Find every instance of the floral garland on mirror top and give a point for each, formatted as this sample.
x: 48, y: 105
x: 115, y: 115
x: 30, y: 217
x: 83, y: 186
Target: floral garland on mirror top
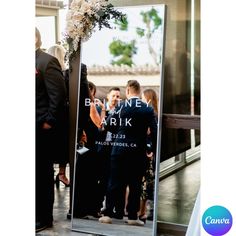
x: 82, y: 18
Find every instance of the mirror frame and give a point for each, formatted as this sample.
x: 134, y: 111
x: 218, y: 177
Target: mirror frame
x: 74, y: 114
x: 159, y: 129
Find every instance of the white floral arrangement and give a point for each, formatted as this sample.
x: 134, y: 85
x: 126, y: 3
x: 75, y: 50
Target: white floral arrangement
x: 82, y: 18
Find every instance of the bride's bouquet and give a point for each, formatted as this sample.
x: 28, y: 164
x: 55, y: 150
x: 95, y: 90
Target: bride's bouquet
x: 82, y: 18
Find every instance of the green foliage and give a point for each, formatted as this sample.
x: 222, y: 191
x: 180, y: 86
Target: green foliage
x: 122, y: 23
x: 109, y: 13
x: 123, y: 51
x: 152, y: 21
x: 140, y: 31
x: 124, y: 60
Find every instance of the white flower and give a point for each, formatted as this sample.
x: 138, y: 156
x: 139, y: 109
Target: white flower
x: 81, y: 20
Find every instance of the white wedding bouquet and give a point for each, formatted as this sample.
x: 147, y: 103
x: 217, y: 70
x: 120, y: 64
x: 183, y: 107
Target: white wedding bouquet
x: 82, y: 18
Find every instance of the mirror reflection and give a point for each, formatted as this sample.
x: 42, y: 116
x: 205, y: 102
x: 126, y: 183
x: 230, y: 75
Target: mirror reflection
x: 115, y: 163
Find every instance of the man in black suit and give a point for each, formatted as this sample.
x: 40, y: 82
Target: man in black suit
x: 50, y: 113
x: 128, y: 124
x: 113, y: 97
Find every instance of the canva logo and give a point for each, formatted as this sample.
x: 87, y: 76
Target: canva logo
x: 217, y: 220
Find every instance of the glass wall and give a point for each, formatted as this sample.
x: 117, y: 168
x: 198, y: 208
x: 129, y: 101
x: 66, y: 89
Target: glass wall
x: 182, y: 82
x: 182, y: 78
x: 179, y: 147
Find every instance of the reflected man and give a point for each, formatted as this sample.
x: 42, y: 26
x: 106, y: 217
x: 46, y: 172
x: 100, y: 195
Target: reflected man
x: 129, y: 124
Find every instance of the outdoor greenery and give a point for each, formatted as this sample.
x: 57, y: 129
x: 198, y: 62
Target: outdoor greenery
x: 123, y: 52
x: 152, y: 22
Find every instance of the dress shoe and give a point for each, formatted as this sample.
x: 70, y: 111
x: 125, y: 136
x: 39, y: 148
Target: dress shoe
x: 105, y: 220
x: 68, y: 216
x: 135, y: 222
x: 143, y: 218
x: 42, y: 225
x: 95, y: 214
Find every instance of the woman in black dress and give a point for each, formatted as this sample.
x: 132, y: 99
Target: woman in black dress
x: 63, y: 152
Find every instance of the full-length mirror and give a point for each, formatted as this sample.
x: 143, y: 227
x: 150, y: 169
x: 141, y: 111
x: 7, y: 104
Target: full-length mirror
x: 116, y: 165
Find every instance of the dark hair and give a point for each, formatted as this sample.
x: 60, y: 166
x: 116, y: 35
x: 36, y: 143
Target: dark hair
x: 134, y: 86
x: 114, y: 89
x: 92, y: 86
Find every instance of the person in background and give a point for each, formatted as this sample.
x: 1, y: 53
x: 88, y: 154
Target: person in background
x: 149, y: 96
x: 97, y: 108
x: 59, y: 52
x: 87, y: 163
x: 104, y: 151
x: 50, y: 114
x: 113, y: 97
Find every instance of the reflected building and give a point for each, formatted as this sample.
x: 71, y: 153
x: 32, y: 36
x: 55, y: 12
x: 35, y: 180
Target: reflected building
x: 108, y: 76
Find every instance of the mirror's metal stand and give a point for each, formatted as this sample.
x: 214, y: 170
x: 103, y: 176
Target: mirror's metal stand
x: 159, y: 130
x: 74, y: 88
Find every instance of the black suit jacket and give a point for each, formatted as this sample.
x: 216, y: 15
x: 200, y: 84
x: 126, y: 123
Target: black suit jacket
x: 129, y: 124
x: 50, y: 89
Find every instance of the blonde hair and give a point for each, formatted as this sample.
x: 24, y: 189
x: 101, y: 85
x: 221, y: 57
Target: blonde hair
x: 59, y: 52
x: 38, y: 37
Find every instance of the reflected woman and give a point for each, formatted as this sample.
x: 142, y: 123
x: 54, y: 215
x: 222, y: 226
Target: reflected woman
x: 150, y: 97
